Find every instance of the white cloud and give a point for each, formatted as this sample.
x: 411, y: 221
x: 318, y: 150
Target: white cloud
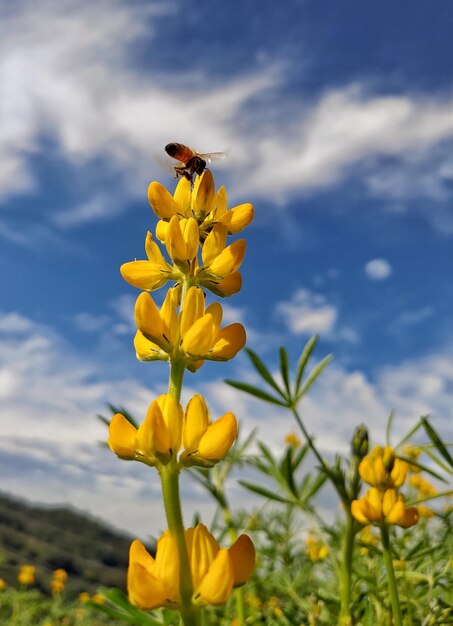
x: 307, y: 313
x: 49, y: 445
x: 68, y: 73
x: 378, y: 269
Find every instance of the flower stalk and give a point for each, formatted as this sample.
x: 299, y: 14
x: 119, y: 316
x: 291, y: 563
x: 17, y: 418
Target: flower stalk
x: 393, y: 590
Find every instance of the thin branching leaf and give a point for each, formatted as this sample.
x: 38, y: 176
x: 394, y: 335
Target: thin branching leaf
x: 263, y: 371
x: 313, y: 376
x: 409, y: 434
x: 263, y: 492
x: 300, y: 456
x: 255, y: 391
x: 438, y: 461
x: 306, y: 353
x: 424, y: 468
x: 287, y: 471
x: 437, y: 441
x: 284, y: 370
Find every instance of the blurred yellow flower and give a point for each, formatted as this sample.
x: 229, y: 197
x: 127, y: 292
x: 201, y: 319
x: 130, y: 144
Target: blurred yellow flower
x: 423, y: 486
x: 27, y: 574
x: 99, y: 598
x: 381, y: 468
x: 84, y: 597
x: 2, y: 584
x: 425, y: 511
x: 215, y: 571
x: 316, y: 550
x: 291, y: 439
x: 377, y: 506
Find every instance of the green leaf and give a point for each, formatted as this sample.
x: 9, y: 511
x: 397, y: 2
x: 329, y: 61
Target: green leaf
x: 263, y: 371
x: 255, y: 391
x: 287, y: 471
x: 284, y: 369
x: 436, y: 459
x: 300, y: 455
x: 313, y: 376
x: 437, y: 441
x: 306, y: 353
x: 316, y: 484
x: 261, y: 491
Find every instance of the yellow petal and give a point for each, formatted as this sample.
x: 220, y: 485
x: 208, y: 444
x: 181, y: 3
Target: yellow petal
x: 122, y: 437
x: 221, y: 203
x: 153, y: 435
x: 396, y: 515
x: 173, y: 418
x: 217, y: 585
x: 410, y: 517
x: 228, y: 286
x: 162, y: 231
x: 144, y: 589
x: 229, y: 260
x: 167, y: 564
x: 170, y: 317
x: 183, y: 196
x: 161, y: 201
x: 148, y: 319
x: 199, y: 338
x: 366, y: 470
x: 215, y: 309
x: 147, y: 350
x: 218, y: 438
x: 214, y: 244
x: 399, y: 472
x: 144, y: 275
x: 191, y: 234
x: 238, y: 218
x: 174, y: 241
x: 356, y: 510
x: 373, y: 504
x: 193, y: 309
x: 389, y: 500
x: 203, y: 195
x: 242, y: 554
x: 153, y: 252
x: 196, y: 422
x: 202, y: 549
x: 228, y: 342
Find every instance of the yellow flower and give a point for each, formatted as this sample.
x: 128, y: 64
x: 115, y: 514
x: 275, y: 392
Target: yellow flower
x: 425, y: 511
x: 316, y: 550
x: 192, y: 336
x: 151, y: 274
x: 423, y: 486
x: 2, y: 584
x: 154, y: 582
x: 165, y: 428
x: 292, y: 440
x: 205, y: 443
x: 377, y: 506
x: 158, y: 437
x: 366, y: 535
x: 381, y: 468
x: 26, y: 575
x: 413, y: 453
x: 61, y: 575
x: 99, y: 598
x: 84, y: 597
x: 56, y: 586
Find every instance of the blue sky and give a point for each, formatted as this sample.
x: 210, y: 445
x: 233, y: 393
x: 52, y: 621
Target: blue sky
x: 337, y: 119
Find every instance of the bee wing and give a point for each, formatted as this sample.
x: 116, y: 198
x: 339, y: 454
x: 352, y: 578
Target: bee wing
x: 212, y: 156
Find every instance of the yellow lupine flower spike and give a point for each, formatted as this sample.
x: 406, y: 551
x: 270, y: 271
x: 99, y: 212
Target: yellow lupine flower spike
x: 153, y: 583
x: 377, y: 506
x: 151, y: 274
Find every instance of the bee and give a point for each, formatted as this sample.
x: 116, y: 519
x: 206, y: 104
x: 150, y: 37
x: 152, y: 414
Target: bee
x: 191, y: 162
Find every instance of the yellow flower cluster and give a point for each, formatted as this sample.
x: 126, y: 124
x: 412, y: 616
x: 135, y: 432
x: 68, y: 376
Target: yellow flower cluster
x: 27, y: 575
x: 2, y: 584
x: 424, y: 487
x: 166, y: 427
x: 154, y: 582
x: 382, y: 503
x: 58, y: 581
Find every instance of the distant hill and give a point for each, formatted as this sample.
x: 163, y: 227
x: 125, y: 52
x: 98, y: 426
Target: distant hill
x: 57, y: 537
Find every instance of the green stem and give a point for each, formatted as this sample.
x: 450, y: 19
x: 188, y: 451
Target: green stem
x: 393, y: 591
x: 177, y: 370
x: 346, y: 570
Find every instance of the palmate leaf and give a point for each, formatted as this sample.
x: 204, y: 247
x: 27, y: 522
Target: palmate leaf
x: 255, y: 391
x: 437, y: 441
x: 263, y: 371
